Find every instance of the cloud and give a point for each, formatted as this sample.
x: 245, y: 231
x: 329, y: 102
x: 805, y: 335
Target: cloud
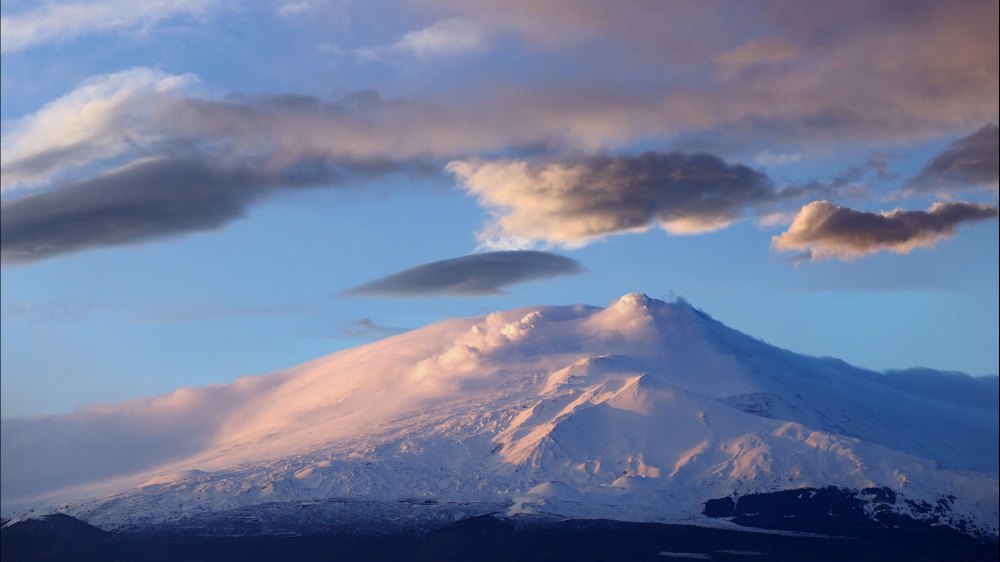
x: 767, y: 158
x: 642, y: 71
x: 847, y: 183
x: 477, y: 274
x: 295, y: 8
x: 366, y: 328
x: 63, y: 21
x: 138, y: 115
x: 959, y: 388
x: 649, y: 79
x: 764, y: 50
x: 443, y: 38
x: 777, y: 69
x: 828, y: 231
x: 60, y: 310
x: 147, y: 200
x: 646, y: 76
x: 573, y: 203
x: 107, y: 440
x: 969, y: 163
x: 100, y: 119
x: 188, y: 165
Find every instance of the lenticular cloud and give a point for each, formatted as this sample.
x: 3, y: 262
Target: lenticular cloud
x: 478, y: 274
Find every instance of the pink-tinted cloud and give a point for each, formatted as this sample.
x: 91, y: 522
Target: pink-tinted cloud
x: 645, y: 73
x: 771, y: 69
x: 572, y: 203
x: 827, y: 231
x: 107, y: 440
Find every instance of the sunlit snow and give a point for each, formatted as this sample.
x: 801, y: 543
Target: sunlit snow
x: 639, y: 411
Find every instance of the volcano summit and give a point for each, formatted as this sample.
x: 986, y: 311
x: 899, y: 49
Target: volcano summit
x: 643, y: 411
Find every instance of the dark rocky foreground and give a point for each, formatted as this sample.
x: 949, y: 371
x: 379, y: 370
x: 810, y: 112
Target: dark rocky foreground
x: 60, y: 537
x: 837, y: 511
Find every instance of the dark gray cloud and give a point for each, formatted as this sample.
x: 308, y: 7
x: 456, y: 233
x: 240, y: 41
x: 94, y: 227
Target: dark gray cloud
x: 972, y: 162
x: 848, y: 183
x: 148, y: 200
x: 828, y: 231
x: 151, y: 199
x: 478, y: 274
x: 571, y: 203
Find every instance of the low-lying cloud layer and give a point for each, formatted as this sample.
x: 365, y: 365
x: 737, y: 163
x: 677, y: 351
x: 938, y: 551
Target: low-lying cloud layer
x: 828, y: 231
x: 478, y: 274
x: 570, y: 204
x: 108, y: 440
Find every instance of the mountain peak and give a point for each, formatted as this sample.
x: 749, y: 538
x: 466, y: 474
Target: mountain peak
x: 624, y: 406
x: 638, y: 299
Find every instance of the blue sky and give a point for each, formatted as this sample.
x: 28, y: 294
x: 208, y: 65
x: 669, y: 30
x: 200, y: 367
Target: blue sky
x: 194, y: 190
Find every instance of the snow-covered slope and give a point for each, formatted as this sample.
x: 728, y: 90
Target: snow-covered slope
x: 643, y: 410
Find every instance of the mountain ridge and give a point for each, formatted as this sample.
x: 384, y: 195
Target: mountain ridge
x: 640, y: 411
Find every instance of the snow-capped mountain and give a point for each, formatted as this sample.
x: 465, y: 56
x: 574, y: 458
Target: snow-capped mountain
x: 641, y: 411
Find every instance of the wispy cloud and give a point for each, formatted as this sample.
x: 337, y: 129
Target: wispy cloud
x: 477, y: 274
x: 851, y: 183
x: 294, y: 8
x: 368, y: 329
x: 969, y: 163
x: 63, y: 21
x: 827, y: 231
x: 573, y: 203
x: 101, y: 119
x: 764, y: 50
x: 59, y: 310
x: 767, y: 158
x: 447, y: 37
